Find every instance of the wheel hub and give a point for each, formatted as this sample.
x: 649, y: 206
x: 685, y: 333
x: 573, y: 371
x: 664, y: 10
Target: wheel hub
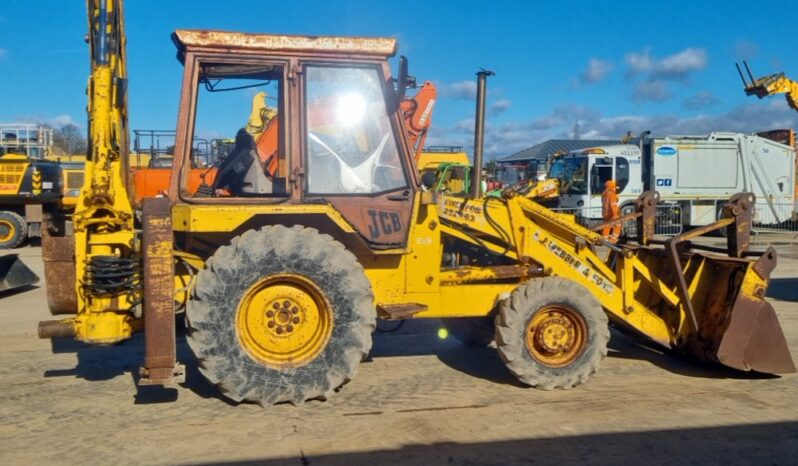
x: 556, y: 335
x: 6, y: 230
x: 282, y: 317
x: 284, y: 321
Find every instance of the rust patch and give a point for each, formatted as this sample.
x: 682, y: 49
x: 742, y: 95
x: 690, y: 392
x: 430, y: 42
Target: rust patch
x: 58, y: 255
x: 754, y: 339
x: 160, y: 363
x: 379, y: 46
x: 765, y: 264
x: 399, y: 311
x: 646, y: 206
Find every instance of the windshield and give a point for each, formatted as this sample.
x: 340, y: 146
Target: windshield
x: 510, y: 176
x: 351, y: 146
x: 572, y: 174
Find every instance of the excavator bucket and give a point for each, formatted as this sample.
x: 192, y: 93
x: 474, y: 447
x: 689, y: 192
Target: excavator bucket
x: 14, y: 273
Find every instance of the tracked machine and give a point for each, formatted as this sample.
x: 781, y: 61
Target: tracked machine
x: 280, y: 276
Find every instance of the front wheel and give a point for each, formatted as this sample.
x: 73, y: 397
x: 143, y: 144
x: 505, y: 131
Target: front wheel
x: 552, y: 333
x: 280, y: 315
x: 13, y: 230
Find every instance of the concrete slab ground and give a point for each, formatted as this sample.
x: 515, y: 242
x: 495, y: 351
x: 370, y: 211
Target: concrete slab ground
x: 418, y: 400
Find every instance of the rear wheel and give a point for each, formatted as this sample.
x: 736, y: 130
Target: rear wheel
x: 552, y: 333
x: 13, y: 230
x: 280, y: 315
x: 471, y: 331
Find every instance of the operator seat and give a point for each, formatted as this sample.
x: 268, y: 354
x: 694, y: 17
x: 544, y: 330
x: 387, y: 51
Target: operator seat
x: 242, y: 173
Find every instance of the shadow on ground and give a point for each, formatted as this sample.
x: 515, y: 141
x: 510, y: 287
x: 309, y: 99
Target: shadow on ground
x: 108, y: 362
x: 773, y: 443
x: 415, y: 337
x: 783, y: 289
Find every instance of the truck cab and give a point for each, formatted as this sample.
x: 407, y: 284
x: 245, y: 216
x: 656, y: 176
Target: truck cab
x: 582, y: 174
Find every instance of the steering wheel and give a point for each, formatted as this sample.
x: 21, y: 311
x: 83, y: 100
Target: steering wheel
x: 353, y: 178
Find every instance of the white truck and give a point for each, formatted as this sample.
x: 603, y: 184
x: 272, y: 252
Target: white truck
x: 693, y: 174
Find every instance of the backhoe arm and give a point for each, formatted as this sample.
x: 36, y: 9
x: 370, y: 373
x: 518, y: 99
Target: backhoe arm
x: 107, y: 263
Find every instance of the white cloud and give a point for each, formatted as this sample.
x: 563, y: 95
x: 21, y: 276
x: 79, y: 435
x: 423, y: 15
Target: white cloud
x: 62, y: 120
x: 57, y: 121
x: 656, y: 72
x: 745, y: 50
x: 677, y: 66
x: 700, y: 101
x: 597, y: 70
x: 638, y: 62
x: 465, y: 90
x: 680, y: 65
x: 500, y: 106
x: 654, y: 90
x: 508, y: 138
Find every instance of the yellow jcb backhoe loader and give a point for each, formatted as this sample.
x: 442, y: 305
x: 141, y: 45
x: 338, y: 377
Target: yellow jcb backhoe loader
x: 281, y: 278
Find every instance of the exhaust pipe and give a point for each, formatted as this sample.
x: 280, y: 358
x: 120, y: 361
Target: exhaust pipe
x: 479, y: 133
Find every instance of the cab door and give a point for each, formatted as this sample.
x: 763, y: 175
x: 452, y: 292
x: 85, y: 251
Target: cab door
x: 353, y: 156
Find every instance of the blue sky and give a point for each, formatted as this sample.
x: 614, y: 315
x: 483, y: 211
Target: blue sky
x: 611, y: 66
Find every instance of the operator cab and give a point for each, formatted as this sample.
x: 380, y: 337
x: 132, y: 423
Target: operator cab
x: 313, y: 120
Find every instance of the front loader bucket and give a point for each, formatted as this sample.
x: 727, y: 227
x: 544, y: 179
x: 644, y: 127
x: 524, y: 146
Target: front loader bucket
x: 14, y: 273
x: 754, y: 339
x: 738, y: 326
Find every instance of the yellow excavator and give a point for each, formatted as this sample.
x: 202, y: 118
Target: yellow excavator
x: 280, y: 276
x: 770, y: 85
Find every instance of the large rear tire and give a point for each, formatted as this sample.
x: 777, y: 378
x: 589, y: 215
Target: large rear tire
x: 13, y: 230
x: 552, y: 333
x: 280, y: 315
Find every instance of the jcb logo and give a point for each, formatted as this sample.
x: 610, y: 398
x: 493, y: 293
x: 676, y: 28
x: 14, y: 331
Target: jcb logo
x: 383, y: 222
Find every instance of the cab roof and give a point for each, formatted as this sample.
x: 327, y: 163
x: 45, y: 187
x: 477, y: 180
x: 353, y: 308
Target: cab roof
x: 186, y: 39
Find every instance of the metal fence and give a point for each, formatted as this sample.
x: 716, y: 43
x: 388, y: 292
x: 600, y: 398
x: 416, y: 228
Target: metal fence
x: 775, y: 217
x: 669, y: 219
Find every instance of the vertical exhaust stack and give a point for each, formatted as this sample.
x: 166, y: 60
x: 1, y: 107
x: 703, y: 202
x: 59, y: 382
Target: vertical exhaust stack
x: 479, y: 132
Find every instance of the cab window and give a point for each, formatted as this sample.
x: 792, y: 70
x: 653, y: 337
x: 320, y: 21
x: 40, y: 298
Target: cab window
x: 351, y: 147
x: 621, y: 173
x: 240, y: 112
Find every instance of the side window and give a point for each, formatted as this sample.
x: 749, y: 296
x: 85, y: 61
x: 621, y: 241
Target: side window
x: 621, y: 173
x: 350, y: 143
x: 239, y: 116
x: 600, y: 174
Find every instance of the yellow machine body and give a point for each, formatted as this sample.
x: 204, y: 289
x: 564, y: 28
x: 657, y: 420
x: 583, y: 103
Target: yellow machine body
x: 423, y: 253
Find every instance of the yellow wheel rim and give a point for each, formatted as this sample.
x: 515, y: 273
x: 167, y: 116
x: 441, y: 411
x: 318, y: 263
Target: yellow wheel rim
x: 284, y: 321
x: 556, y: 335
x: 6, y: 230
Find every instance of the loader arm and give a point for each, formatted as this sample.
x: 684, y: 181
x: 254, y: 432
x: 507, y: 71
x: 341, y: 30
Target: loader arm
x: 708, y: 305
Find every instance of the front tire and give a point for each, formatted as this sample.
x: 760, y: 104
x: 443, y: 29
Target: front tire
x: 552, y: 333
x: 13, y: 230
x: 280, y: 315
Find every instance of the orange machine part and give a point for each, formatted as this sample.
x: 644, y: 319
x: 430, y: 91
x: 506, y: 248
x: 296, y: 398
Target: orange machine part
x: 151, y: 182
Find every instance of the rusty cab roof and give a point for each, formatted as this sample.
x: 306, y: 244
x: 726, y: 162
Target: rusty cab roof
x: 216, y: 41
